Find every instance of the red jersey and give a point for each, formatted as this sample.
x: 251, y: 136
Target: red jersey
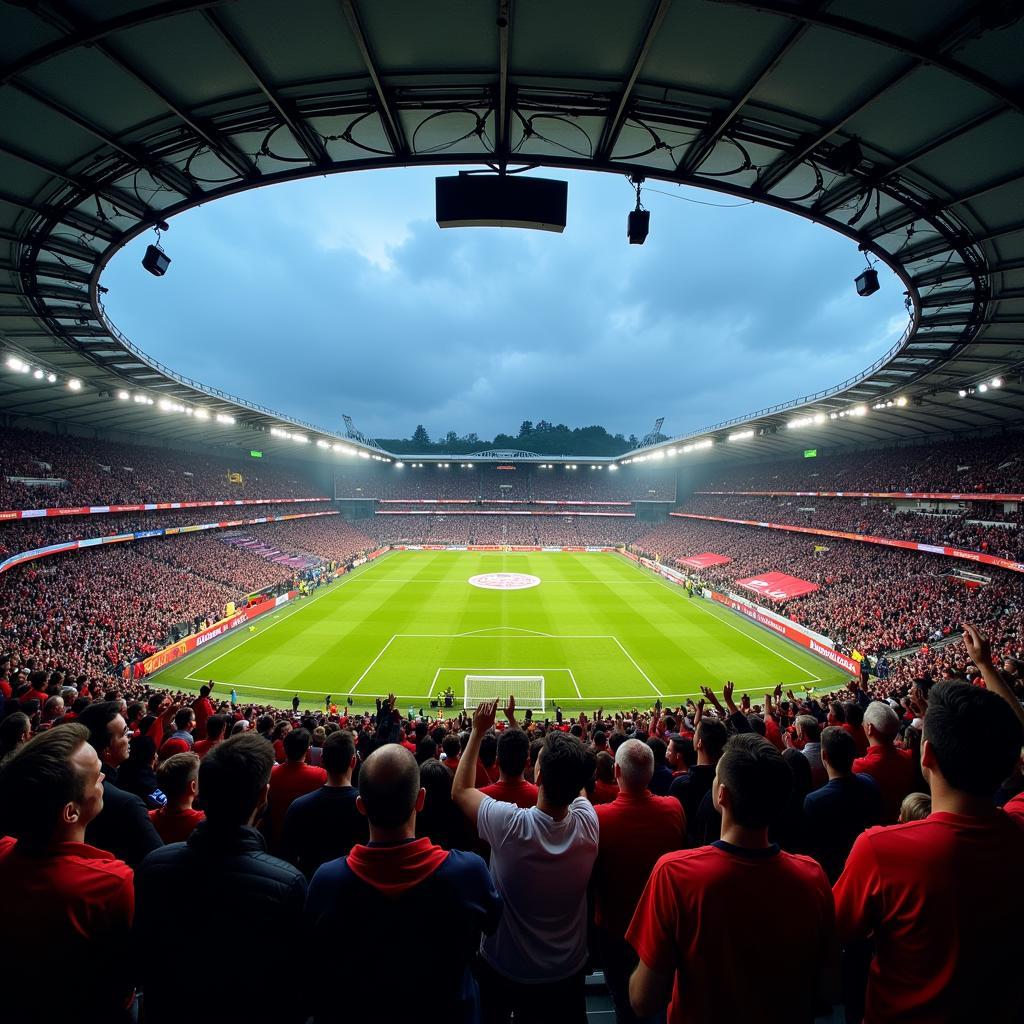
x: 604, y: 792
x: 893, y: 769
x: 942, y: 915
x: 289, y: 781
x: 635, y: 830
x: 204, y: 711
x: 689, y: 923
x: 1015, y: 807
x: 78, y: 900
x: 521, y: 793
x: 202, y: 747
x: 175, y: 826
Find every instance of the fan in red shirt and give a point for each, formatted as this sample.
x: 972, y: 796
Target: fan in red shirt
x: 706, y: 911
x: 289, y: 781
x: 178, y: 777
x: 60, y: 893
x: 605, y: 787
x: 635, y: 830
x: 203, y: 707
x: 893, y: 769
x: 215, y: 728
x: 512, y: 758
x: 934, y: 893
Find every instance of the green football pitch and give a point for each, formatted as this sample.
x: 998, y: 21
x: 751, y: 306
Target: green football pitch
x: 600, y: 629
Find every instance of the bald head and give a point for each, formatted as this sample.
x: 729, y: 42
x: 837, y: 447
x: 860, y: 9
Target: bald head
x: 389, y: 786
x: 635, y: 761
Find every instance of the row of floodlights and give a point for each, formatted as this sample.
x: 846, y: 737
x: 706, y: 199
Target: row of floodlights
x: 669, y: 452
x: 17, y: 365
x: 167, y: 405
x: 321, y: 442
x: 995, y: 382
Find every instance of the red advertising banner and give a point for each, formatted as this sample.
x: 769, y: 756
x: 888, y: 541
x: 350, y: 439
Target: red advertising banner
x: 154, y: 506
x: 777, y: 586
x: 703, y: 561
x: 493, y: 512
x: 791, y: 631
x: 908, y: 545
x: 928, y: 495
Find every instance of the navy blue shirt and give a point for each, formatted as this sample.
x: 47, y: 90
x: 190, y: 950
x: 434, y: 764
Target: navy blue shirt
x: 835, y: 815
x: 321, y: 826
x: 380, y: 938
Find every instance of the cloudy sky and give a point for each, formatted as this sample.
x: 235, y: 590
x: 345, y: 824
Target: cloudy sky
x: 341, y: 295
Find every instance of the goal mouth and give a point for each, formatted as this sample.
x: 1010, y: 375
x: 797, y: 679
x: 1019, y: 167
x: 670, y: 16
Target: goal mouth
x: 527, y: 690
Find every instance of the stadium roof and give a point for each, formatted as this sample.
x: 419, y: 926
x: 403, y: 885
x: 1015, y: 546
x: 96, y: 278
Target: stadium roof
x: 899, y: 125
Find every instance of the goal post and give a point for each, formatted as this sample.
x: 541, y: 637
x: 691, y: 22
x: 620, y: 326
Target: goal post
x: 527, y: 690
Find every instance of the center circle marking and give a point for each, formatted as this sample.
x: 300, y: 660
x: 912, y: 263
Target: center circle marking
x: 504, y: 581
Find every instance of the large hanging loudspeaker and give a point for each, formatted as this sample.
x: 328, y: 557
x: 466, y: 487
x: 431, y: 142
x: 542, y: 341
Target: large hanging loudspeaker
x: 501, y: 201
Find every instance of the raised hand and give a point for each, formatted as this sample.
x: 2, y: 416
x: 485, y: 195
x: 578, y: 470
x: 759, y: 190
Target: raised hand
x: 483, y: 717
x: 510, y: 709
x: 978, y: 647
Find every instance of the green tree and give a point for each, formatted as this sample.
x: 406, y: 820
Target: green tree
x: 525, y: 428
x: 420, y: 435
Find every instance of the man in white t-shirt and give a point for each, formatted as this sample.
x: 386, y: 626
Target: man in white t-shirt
x: 541, y: 862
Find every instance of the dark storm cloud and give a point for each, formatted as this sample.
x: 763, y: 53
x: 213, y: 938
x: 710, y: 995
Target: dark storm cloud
x: 342, y: 295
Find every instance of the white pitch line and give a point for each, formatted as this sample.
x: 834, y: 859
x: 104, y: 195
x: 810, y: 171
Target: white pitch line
x: 703, y: 605
x: 637, y: 667
x: 372, y: 663
x: 514, y: 629
x: 433, y: 682
x: 278, y: 619
x: 574, y: 686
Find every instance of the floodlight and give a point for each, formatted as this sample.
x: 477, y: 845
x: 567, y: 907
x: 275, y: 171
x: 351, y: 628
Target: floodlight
x: 51, y: 378
x: 38, y: 374
x: 156, y: 261
x: 867, y: 282
x: 983, y: 388
x: 123, y: 395
x: 997, y: 382
x: 228, y: 420
x: 75, y: 384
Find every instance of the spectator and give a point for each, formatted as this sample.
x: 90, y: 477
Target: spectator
x: 512, y: 758
x: 541, y: 859
x: 605, y: 787
x: 931, y: 892
x: 915, y: 807
x: 661, y: 780
x: 184, y: 727
x: 62, y: 898
x: 708, y: 741
x: 259, y: 899
x: 122, y: 825
x: 324, y: 824
x: 892, y: 768
x: 290, y: 780
x: 316, y: 747
x: 179, y: 779
x: 393, y: 880
x: 440, y: 819
x: 635, y: 830
x: 15, y: 730
x: 684, y: 929
x: 138, y: 774
x: 215, y: 726
x: 844, y: 807
x: 203, y: 709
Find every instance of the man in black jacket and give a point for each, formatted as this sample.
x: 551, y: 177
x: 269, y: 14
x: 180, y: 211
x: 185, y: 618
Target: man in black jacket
x: 255, y: 901
x: 123, y: 827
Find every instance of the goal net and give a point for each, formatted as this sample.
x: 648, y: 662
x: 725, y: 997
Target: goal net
x: 527, y: 690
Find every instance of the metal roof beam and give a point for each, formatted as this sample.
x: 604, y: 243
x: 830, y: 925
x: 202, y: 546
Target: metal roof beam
x: 167, y: 174
x: 388, y: 115
x: 73, y: 218
x: 846, y: 190
x: 311, y: 143
x: 112, y: 194
x: 502, y: 128
x: 613, y: 125
x: 703, y: 145
x: 935, y: 246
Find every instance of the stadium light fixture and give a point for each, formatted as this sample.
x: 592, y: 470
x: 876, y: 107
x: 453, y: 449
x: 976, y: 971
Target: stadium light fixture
x: 901, y: 401
x: 37, y: 373
x: 962, y: 392
x: 225, y: 419
x: 983, y: 388
x: 123, y: 396
x: 613, y: 467
x: 155, y: 260
x: 638, y: 224
x: 51, y: 378
x: 469, y: 465
x: 996, y: 382
x: 297, y: 438
x: 399, y: 464
x: 75, y: 384
x: 17, y: 365
x: 321, y: 443
x: 202, y: 414
x: 741, y: 435
x: 867, y: 282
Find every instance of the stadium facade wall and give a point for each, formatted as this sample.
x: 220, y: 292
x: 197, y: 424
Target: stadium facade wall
x: 153, y: 506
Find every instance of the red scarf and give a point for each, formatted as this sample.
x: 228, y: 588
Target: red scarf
x: 393, y: 869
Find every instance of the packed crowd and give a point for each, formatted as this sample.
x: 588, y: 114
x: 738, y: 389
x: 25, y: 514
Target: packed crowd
x: 526, y: 482
x: 25, y: 534
x: 972, y: 529
x: 637, y: 843
x: 552, y: 530
x: 97, y: 610
x: 94, y: 472
x: 989, y: 465
x: 871, y: 599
